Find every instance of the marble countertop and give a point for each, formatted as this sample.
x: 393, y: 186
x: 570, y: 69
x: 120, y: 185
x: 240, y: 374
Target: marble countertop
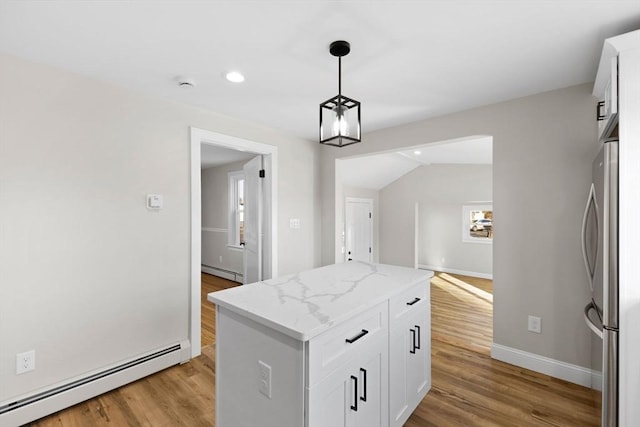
x: 308, y: 303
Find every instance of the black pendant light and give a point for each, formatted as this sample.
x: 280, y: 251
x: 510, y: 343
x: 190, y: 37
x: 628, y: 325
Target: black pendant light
x: 340, y: 115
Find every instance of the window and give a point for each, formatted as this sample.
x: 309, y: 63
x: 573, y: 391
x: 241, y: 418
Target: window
x: 477, y: 223
x: 236, y: 209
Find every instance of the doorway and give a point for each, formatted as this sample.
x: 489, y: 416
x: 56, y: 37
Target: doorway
x: 200, y: 137
x: 235, y: 207
x: 359, y: 229
x: 419, y: 194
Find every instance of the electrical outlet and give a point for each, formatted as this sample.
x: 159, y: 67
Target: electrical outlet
x: 25, y: 362
x: 264, y: 379
x: 535, y: 324
x: 220, y: 258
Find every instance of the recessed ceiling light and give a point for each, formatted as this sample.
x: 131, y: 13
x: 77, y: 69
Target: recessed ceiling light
x: 234, y: 77
x: 417, y: 152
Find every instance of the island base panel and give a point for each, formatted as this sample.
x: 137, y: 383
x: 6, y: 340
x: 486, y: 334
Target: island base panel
x: 240, y: 345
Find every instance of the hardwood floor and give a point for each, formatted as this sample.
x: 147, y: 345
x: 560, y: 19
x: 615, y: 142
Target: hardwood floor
x: 462, y: 312
x: 210, y: 284
x: 468, y: 388
x: 471, y: 389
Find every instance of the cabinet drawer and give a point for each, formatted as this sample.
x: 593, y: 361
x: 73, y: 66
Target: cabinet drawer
x: 410, y: 301
x: 329, y: 350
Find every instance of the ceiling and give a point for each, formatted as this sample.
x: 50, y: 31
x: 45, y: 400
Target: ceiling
x: 410, y: 60
x: 378, y: 170
x: 215, y: 155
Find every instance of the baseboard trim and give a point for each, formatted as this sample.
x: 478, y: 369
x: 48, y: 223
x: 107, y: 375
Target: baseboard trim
x: 596, y: 380
x: 225, y: 274
x: 215, y: 230
x: 544, y: 365
x: 455, y: 271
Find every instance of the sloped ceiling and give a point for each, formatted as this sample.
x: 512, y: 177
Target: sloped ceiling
x: 376, y: 171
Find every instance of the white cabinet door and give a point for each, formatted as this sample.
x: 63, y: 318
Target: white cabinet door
x: 330, y: 401
x: 355, y: 394
x: 372, y: 395
x: 400, y: 343
x: 418, y: 356
x: 409, y: 353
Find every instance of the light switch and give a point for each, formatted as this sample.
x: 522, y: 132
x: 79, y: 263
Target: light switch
x: 294, y: 222
x: 154, y: 201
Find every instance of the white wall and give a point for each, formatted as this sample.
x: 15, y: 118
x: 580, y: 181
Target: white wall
x: 215, y: 219
x: 91, y: 276
x: 441, y: 191
x: 542, y: 151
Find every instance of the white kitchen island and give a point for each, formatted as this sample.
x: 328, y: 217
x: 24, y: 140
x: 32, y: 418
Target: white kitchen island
x: 342, y: 345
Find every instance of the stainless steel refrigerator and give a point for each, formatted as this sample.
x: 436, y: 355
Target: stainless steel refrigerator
x: 600, y: 252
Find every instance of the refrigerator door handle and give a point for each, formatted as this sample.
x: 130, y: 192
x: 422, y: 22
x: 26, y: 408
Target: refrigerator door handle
x: 591, y: 200
x: 610, y: 236
x: 594, y: 328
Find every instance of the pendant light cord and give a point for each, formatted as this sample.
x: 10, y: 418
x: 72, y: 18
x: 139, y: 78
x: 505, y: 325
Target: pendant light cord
x: 339, y: 83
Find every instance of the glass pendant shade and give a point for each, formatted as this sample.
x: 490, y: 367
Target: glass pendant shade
x: 340, y: 121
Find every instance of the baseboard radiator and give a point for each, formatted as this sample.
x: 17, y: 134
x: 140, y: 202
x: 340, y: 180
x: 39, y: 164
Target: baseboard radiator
x: 220, y: 272
x: 33, y: 407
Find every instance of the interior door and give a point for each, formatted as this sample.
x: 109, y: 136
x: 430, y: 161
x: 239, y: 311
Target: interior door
x: 253, y: 220
x: 267, y: 219
x: 359, y: 230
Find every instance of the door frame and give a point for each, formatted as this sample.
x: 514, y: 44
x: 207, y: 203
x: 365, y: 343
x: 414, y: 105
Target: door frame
x: 199, y: 137
x: 371, y: 207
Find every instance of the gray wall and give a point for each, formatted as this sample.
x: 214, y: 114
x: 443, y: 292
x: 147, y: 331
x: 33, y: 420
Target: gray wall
x: 87, y: 272
x: 542, y: 151
x: 215, y: 219
x: 440, y: 191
